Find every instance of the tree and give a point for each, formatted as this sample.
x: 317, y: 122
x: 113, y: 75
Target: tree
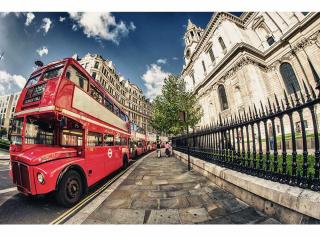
x: 173, y: 99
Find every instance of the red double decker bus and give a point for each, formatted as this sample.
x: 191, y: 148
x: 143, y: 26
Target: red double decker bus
x: 67, y: 133
x: 138, y: 141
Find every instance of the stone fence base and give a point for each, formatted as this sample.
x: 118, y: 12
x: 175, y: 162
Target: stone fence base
x: 291, y: 205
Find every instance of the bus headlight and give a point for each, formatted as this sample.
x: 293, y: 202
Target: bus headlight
x: 40, y: 178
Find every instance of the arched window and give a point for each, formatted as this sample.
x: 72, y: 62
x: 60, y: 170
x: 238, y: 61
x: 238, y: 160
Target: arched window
x: 222, y: 44
x: 223, y: 97
x: 289, y: 77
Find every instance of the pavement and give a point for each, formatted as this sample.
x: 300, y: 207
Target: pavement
x: 4, y: 154
x: 163, y: 191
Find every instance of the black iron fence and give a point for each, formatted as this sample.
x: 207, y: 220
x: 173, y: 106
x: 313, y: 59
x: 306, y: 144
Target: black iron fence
x: 249, y: 143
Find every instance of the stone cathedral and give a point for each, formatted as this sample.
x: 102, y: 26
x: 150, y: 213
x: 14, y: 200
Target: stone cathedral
x: 236, y: 62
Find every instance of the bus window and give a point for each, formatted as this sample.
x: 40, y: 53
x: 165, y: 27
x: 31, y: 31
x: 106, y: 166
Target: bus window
x: 123, y: 141
x: 16, y: 131
x: 116, y: 110
x: 117, y: 141
x: 108, y: 139
x: 33, y: 80
x: 122, y: 116
x: 95, y: 94
x: 77, y: 78
x: 38, y: 131
x: 53, y: 72
x: 94, y: 139
x: 71, y: 137
x: 108, y: 103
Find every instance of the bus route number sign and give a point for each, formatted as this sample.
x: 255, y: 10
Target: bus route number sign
x: 109, y: 153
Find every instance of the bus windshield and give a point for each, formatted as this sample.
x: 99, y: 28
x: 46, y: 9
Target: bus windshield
x: 33, y: 80
x: 39, y: 131
x: 52, y: 73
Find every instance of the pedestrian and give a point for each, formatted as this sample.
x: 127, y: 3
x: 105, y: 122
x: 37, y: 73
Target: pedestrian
x: 167, y: 147
x: 271, y: 139
x: 158, y: 149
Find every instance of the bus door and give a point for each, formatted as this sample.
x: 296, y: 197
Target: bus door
x: 95, y: 156
x: 110, y: 153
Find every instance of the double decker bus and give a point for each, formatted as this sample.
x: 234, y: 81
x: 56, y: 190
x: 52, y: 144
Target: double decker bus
x: 138, y: 141
x: 67, y: 133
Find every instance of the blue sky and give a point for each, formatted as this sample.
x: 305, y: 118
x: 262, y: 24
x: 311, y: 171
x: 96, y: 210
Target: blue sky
x: 133, y: 41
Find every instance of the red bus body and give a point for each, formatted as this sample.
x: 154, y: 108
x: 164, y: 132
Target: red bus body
x: 138, y: 143
x: 65, y: 120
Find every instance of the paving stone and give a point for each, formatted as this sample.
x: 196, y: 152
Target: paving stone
x: 156, y: 194
x: 195, y: 201
x: 269, y: 221
x: 168, y: 216
x: 233, y: 205
x: 124, y: 216
x: 246, y: 216
x: 177, y: 193
x: 159, y: 182
x: 92, y: 220
x: 193, y: 215
x: 117, y: 203
x: 145, y: 204
x: 174, y: 203
x: 171, y: 187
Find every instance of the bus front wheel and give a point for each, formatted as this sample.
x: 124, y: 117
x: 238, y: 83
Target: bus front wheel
x: 70, y: 189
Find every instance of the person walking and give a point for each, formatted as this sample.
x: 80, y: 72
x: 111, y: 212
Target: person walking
x: 168, y: 148
x: 158, y: 149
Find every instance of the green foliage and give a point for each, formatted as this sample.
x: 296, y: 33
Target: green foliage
x: 168, y: 105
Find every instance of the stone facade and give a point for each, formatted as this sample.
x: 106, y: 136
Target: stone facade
x: 237, y: 62
x: 7, y: 107
x: 127, y: 95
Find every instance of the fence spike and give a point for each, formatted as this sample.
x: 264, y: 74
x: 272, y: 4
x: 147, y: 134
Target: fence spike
x: 295, y: 94
x: 277, y: 103
x: 302, y: 97
x: 262, y: 109
x: 255, y: 110
x: 292, y: 102
x: 306, y: 91
x: 282, y: 104
x: 266, y: 110
x: 286, y: 99
x: 250, y: 113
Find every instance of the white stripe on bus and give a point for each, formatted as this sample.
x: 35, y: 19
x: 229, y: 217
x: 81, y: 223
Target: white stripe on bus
x: 47, y: 108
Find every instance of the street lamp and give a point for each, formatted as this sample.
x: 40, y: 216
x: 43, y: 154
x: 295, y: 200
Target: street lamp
x: 184, y: 118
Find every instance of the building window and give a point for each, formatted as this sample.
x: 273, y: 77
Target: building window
x: 96, y: 65
x: 211, y: 55
x: 204, y: 67
x: 188, y: 53
x: 223, y: 46
x: 191, y: 33
x: 304, y: 13
x: 192, y: 77
x: 289, y: 78
x: 270, y: 40
x: 222, y: 97
x: 94, y: 75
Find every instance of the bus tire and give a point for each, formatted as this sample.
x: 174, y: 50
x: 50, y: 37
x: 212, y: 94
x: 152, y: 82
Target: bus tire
x: 70, y: 189
x: 125, y: 163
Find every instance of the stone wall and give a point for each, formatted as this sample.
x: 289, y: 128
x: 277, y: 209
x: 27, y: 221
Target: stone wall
x: 291, y: 205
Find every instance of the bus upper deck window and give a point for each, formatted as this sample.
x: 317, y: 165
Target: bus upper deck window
x: 32, y: 81
x: 77, y: 78
x: 53, y: 72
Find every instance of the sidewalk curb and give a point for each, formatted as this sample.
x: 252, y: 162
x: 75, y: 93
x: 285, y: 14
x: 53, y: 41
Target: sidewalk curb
x: 85, y: 212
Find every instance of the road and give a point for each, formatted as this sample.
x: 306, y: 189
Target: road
x: 16, y: 208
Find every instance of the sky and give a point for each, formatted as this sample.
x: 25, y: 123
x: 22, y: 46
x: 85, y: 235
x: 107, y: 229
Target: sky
x: 145, y: 47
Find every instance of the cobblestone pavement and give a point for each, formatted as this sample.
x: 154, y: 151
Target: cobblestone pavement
x: 162, y: 191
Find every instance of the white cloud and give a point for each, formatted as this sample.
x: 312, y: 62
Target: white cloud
x: 61, y: 19
x: 10, y: 83
x: 43, y: 51
x: 102, y: 26
x: 175, y: 58
x: 153, y: 80
x: 29, y: 19
x: 46, y: 24
x: 162, y: 61
x: 4, y: 14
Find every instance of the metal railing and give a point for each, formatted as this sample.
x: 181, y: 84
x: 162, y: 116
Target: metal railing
x: 243, y: 142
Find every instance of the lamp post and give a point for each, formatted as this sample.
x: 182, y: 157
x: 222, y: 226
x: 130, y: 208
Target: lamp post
x: 184, y: 118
